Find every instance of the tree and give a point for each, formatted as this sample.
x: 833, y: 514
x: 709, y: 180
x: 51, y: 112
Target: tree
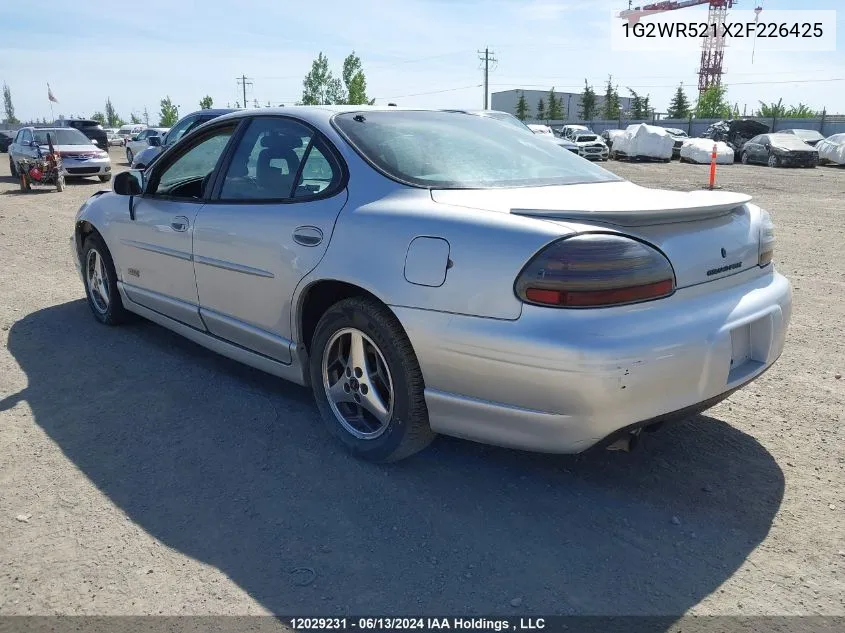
x: 112, y: 118
x: 679, y: 108
x: 320, y: 87
x: 639, y: 105
x: 588, y: 102
x: 206, y: 102
x: 134, y: 118
x: 712, y: 104
x: 772, y: 110
x: 169, y: 113
x: 553, y: 112
x: 612, y: 107
x: 522, y: 110
x: 99, y: 117
x: 354, y: 81
x: 801, y: 111
x: 9, y: 106
x: 541, y: 110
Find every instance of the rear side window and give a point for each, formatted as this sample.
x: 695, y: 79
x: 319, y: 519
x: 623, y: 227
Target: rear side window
x: 276, y: 160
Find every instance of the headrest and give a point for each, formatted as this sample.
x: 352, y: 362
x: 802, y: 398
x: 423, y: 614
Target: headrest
x: 281, y: 142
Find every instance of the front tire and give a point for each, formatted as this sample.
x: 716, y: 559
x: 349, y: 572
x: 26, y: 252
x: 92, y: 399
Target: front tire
x: 774, y: 161
x: 367, y: 381
x: 105, y: 178
x: 100, y: 280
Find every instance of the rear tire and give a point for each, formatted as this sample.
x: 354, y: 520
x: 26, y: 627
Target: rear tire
x: 744, y: 158
x: 129, y: 156
x: 105, y: 178
x: 100, y: 281
x: 12, y: 167
x: 390, y: 382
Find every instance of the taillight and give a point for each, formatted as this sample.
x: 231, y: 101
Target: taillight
x: 767, y: 239
x: 594, y: 270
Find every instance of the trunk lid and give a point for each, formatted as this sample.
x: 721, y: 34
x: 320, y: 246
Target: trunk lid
x: 707, y: 235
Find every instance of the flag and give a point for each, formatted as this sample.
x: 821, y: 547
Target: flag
x: 50, y: 95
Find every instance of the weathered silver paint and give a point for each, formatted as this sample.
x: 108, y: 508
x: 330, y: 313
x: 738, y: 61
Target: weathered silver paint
x: 495, y: 369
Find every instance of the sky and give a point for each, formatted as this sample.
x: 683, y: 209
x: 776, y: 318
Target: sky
x: 415, y: 53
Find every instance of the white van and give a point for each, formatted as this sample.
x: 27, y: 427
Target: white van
x: 128, y: 132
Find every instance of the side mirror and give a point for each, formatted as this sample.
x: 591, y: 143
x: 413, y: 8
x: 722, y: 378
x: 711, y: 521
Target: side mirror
x: 129, y: 183
x: 155, y: 141
x: 33, y: 143
x: 94, y: 141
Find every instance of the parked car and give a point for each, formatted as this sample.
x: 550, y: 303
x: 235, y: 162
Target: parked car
x: 832, y: 150
x: 6, y: 138
x: 538, y: 128
x: 183, y: 126
x: 141, y: 141
x: 511, y: 120
x: 570, y: 131
x: 90, y: 128
x: 735, y: 133
x: 130, y: 130
x: 430, y: 272
x: 590, y: 146
x: 114, y: 138
x: 779, y: 150
x: 608, y: 137
x: 679, y: 136
x: 80, y: 157
x: 810, y: 137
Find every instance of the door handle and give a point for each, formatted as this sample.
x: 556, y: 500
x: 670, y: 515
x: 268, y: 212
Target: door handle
x: 307, y: 235
x: 179, y: 223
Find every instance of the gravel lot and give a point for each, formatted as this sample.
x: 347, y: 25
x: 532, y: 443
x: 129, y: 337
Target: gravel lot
x: 141, y: 474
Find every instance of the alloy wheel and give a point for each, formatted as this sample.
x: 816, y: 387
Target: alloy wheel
x: 357, y: 384
x: 97, y: 280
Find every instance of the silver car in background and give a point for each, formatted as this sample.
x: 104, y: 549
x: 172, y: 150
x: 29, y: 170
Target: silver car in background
x: 434, y: 272
x: 80, y: 157
x: 141, y: 141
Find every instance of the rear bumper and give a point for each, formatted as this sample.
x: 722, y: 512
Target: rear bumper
x: 561, y: 381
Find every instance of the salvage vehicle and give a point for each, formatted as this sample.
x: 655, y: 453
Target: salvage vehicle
x: 608, y: 136
x: 431, y: 272
x: 735, y: 133
x: 590, y: 146
x: 679, y: 136
x: 79, y: 156
x: 832, y: 150
x: 141, y: 141
x: 570, y: 131
x: 184, y: 125
x: 779, y: 150
x: 810, y: 137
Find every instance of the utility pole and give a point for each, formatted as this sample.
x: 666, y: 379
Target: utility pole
x: 486, y: 56
x: 244, y: 81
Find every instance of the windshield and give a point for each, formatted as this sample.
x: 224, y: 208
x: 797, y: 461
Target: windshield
x: 458, y: 151
x: 808, y: 135
x: 583, y: 138
x: 788, y: 141
x: 62, y: 136
x: 504, y: 117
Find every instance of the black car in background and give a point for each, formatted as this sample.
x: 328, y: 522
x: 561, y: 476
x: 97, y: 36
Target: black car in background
x: 90, y: 128
x: 779, y: 150
x: 6, y: 138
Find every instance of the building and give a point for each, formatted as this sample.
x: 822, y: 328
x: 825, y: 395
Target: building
x: 570, y: 102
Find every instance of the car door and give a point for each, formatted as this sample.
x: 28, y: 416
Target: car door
x: 270, y: 221
x: 139, y: 142
x: 155, y: 258
x: 24, y: 147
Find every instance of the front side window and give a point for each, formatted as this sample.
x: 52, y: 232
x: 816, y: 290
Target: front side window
x: 278, y: 159
x: 178, y: 130
x: 185, y: 177
x: 457, y: 151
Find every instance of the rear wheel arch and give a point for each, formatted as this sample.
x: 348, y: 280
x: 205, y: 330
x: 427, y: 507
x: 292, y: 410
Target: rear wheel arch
x: 318, y: 297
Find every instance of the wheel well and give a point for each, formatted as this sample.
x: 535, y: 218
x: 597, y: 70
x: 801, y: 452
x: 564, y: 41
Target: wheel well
x: 320, y: 297
x: 83, y: 230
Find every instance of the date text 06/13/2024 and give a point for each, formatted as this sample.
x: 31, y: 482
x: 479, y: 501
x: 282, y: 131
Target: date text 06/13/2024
x: 418, y: 624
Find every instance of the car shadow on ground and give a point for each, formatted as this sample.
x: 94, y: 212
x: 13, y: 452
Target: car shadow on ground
x: 232, y: 467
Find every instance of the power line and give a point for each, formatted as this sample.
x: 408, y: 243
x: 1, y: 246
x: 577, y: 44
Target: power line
x: 432, y: 92
x: 244, y: 81
x: 732, y: 83
x: 487, y: 60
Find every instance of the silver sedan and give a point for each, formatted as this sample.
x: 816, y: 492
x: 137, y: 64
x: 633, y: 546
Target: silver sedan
x: 434, y: 272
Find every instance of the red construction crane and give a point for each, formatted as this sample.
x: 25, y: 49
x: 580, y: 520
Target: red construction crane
x: 713, y: 48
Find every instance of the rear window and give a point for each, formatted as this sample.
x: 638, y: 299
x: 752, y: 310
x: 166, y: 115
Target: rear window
x: 448, y: 150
